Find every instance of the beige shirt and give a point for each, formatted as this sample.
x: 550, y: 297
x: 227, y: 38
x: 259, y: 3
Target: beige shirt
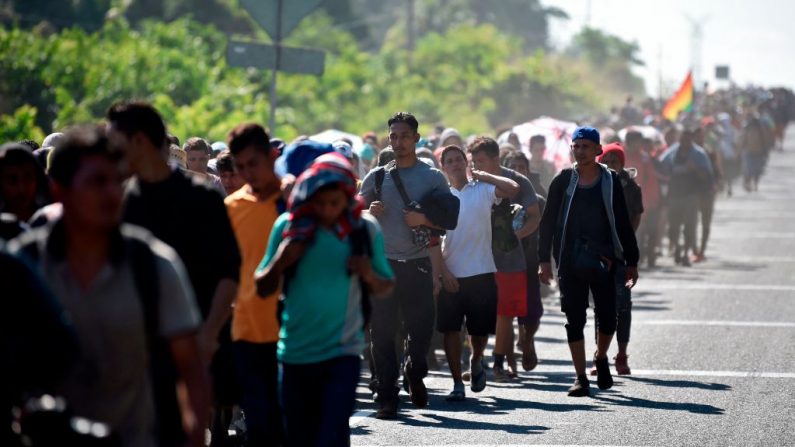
x: 111, y: 381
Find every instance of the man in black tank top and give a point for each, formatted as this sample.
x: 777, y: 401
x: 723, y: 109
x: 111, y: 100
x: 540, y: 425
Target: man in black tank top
x: 586, y: 225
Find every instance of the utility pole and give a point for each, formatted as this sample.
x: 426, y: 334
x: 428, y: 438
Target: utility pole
x: 696, y: 41
x: 277, y: 42
x: 410, y: 26
x: 278, y: 18
x: 587, y: 13
x: 659, y: 72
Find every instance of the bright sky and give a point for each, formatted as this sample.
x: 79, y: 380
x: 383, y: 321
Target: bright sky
x: 756, y: 38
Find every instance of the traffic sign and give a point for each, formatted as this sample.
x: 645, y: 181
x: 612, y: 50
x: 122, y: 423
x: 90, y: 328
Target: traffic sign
x: 266, y: 13
x: 278, y: 18
x: 721, y: 72
x: 292, y: 60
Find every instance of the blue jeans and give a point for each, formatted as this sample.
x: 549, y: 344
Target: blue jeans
x: 318, y: 399
x: 258, y: 373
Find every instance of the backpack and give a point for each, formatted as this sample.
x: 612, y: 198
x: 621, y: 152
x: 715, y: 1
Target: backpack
x: 503, y: 236
x: 162, y: 372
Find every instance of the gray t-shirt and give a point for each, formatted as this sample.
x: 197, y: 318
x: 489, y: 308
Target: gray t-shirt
x: 111, y: 382
x: 514, y: 261
x: 419, y: 181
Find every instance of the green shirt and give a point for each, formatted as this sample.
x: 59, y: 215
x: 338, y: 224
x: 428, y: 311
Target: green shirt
x: 322, y: 317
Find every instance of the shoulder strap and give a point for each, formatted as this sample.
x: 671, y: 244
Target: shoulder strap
x: 380, y: 172
x: 147, y: 282
x: 162, y: 371
x: 393, y: 172
x: 362, y: 245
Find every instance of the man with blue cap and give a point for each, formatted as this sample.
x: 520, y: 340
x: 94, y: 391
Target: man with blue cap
x: 586, y: 227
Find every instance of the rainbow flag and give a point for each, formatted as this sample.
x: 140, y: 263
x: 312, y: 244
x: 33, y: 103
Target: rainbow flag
x: 682, y: 101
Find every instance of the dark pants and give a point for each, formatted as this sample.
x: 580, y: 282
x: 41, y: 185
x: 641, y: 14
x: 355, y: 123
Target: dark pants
x: 682, y: 218
x: 623, y: 307
x: 411, y: 301
x: 574, y: 303
x: 318, y: 399
x: 647, y: 233
x: 706, y: 208
x: 258, y: 374
x: 535, y: 308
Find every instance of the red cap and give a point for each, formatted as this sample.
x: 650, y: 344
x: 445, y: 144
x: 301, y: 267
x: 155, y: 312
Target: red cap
x: 616, y: 148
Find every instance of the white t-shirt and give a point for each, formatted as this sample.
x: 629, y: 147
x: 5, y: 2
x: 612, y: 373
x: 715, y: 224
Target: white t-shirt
x: 467, y: 249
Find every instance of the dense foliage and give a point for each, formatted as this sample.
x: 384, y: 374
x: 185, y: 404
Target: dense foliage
x: 474, y: 77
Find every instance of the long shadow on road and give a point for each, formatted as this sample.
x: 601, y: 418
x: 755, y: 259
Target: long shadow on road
x: 458, y: 424
x: 497, y: 405
x: 636, y: 402
x: 681, y: 383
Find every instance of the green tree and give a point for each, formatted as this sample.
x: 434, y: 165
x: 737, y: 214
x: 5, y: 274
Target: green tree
x: 611, y: 59
x: 474, y: 77
x: 20, y: 125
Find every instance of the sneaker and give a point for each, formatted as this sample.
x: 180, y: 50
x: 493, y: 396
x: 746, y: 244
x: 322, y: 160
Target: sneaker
x: 417, y: 390
x: 622, y: 367
x: 603, y: 377
x: 581, y: 387
x: 458, y: 394
x: 500, y: 375
x: 388, y: 409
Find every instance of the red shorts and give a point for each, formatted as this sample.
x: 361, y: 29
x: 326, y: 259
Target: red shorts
x: 511, y: 294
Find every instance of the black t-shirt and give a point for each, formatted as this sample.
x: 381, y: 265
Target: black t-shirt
x: 188, y: 214
x: 588, y: 219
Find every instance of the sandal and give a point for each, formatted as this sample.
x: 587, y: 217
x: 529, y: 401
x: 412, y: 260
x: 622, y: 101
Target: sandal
x: 478, y: 383
x: 458, y: 394
x: 529, y: 360
x: 512, y: 371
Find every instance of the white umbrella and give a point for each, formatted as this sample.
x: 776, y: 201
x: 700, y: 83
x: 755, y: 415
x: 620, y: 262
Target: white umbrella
x: 649, y: 132
x: 557, y: 134
x: 332, y: 135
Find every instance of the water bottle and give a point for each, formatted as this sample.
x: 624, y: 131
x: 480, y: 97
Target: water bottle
x: 518, y: 220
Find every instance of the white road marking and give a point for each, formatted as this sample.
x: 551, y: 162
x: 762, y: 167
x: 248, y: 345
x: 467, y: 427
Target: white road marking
x: 754, y: 235
x: 741, y: 374
x: 652, y: 285
x: 761, y: 324
x: 749, y: 259
x: 491, y: 445
x: 640, y: 322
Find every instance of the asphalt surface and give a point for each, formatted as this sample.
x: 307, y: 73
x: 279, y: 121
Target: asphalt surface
x: 712, y: 353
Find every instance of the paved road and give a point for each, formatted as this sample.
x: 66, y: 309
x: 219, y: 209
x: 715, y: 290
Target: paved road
x: 712, y: 352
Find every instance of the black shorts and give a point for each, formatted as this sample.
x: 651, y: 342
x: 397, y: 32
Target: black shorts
x: 475, y: 302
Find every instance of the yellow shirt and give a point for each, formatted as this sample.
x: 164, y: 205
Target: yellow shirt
x: 254, y: 318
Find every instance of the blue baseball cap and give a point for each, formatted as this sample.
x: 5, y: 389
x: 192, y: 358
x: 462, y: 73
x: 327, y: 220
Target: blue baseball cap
x: 586, y: 133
